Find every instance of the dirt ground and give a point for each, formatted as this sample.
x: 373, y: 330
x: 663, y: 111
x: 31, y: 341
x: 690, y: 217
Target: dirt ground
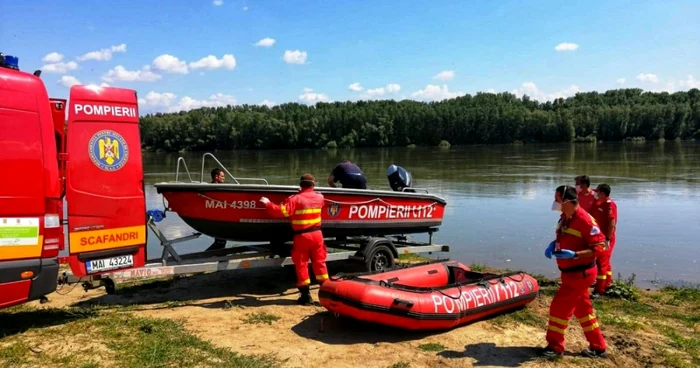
x: 223, y: 308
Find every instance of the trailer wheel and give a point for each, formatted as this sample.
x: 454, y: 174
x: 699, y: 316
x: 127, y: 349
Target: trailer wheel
x: 109, y: 285
x: 380, y: 259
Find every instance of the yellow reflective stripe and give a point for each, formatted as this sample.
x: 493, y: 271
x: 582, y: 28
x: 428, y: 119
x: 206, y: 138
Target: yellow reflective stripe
x: 586, y: 318
x: 305, y: 282
x: 610, y: 273
x: 307, y: 211
x: 602, y: 277
x: 322, y: 277
x: 306, y: 222
x: 591, y: 327
x: 573, y: 232
x: 284, y: 210
x: 557, y: 329
x: 559, y: 320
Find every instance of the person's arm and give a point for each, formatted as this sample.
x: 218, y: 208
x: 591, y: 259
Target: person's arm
x: 331, y: 181
x: 595, y: 239
x: 282, y: 210
x: 612, y: 214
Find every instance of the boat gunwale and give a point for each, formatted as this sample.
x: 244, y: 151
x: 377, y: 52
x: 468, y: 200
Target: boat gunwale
x: 227, y: 187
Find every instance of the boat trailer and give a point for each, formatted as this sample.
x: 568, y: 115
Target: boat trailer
x: 376, y: 252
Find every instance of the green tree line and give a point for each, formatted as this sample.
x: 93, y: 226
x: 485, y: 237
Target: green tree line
x: 480, y: 119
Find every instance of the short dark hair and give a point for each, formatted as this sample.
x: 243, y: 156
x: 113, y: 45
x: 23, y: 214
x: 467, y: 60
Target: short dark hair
x: 605, y: 189
x: 584, y: 179
x: 215, y: 173
x: 568, y: 193
x: 307, y: 181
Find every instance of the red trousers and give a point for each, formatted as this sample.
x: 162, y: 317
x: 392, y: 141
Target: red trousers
x: 604, y: 279
x: 572, y: 298
x: 309, y: 245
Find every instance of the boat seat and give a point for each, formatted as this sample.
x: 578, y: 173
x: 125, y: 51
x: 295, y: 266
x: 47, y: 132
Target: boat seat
x: 459, y: 275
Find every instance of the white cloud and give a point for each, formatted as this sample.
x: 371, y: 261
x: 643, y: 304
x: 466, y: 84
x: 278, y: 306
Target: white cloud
x: 620, y: 81
x: 294, y: 57
x: 531, y: 89
x: 311, y: 97
x: 96, y: 87
x: 170, y: 64
x: 445, y: 75
x: 355, y: 87
x: 265, y: 42
x: 491, y: 90
x: 104, y: 54
x: 166, y: 102
x: 690, y: 83
x: 268, y: 103
x: 218, y: 2
x: 53, y: 57
x: 119, y: 73
x: 433, y: 92
x: 68, y: 81
x: 648, y: 78
x: 211, y: 62
x: 60, y: 68
x: 381, y: 91
x: 566, y: 46
x: 680, y: 85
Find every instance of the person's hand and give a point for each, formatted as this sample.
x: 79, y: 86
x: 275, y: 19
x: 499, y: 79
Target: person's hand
x: 264, y: 200
x: 565, y: 254
x: 607, y: 244
x: 549, y: 250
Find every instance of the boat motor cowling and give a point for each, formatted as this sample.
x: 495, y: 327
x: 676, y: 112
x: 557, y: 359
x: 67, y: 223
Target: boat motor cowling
x: 399, y: 178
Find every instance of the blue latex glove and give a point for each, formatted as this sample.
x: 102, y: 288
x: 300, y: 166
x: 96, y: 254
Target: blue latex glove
x: 549, y: 250
x: 565, y: 254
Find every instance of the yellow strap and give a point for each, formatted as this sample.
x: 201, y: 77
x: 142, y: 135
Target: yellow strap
x: 590, y: 328
x: 559, y: 320
x: 557, y: 329
x: 307, y: 222
x: 307, y: 211
x: 573, y: 232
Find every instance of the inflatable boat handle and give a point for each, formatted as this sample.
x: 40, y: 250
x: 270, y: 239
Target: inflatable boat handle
x: 401, y: 304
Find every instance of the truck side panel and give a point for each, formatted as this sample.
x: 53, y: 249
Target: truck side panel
x: 105, y: 189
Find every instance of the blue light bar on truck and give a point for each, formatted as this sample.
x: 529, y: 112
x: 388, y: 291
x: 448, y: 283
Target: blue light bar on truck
x: 9, y: 61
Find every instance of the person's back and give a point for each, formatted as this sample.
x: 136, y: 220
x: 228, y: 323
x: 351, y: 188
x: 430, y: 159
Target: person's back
x: 349, y: 175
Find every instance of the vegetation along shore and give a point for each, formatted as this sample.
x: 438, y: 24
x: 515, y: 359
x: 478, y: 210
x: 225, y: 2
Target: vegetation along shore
x: 484, y: 118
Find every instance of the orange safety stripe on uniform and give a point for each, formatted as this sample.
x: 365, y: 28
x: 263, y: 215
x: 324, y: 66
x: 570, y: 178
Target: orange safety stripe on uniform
x: 586, y: 318
x: 307, y: 211
x: 591, y: 327
x: 322, y: 277
x: 573, y: 232
x: 557, y: 329
x: 284, y: 210
x: 307, y: 222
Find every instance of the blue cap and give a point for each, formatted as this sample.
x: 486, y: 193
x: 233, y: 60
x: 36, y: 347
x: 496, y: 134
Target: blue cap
x: 12, y: 62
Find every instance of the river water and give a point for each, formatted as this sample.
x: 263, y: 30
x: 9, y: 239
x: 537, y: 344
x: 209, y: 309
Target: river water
x: 499, y: 197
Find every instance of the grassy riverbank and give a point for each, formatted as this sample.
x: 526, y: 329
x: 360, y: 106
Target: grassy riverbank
x: 249, y: 319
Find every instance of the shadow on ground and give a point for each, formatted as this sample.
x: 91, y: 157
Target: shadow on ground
x: 248, y: 288
x: 488, y: 354
x: 16, y: 322
x: 326, y: 328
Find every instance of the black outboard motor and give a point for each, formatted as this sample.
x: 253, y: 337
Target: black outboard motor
x: 399, y: 179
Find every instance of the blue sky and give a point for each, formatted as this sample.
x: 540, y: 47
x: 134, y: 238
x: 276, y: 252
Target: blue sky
x: 185, y: 54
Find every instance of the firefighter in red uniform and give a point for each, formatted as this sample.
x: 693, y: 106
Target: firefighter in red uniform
x: 578, y: 242
x: 605, y: 213
x: 586, y: 197
x: 304, y: 211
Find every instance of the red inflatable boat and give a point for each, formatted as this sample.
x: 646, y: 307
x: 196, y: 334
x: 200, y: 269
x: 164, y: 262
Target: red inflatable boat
x: 433, y: 296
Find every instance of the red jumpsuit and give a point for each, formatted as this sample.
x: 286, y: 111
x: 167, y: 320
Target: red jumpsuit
x: 605, y: 212
x: 586, y: 200
x: 304, y: 211
x: 578, y: 233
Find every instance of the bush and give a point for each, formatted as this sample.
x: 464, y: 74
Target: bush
x: 623, y: 289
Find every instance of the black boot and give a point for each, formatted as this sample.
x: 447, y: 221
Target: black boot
x: 305, y: 298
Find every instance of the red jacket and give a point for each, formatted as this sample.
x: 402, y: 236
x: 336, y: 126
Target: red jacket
x: 604, y: 213
x: 303, y: 209
x: 578, y: 233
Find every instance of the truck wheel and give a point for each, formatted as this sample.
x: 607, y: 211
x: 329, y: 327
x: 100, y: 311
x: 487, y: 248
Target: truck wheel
x: 380, y: 259
x: 109, y: 285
